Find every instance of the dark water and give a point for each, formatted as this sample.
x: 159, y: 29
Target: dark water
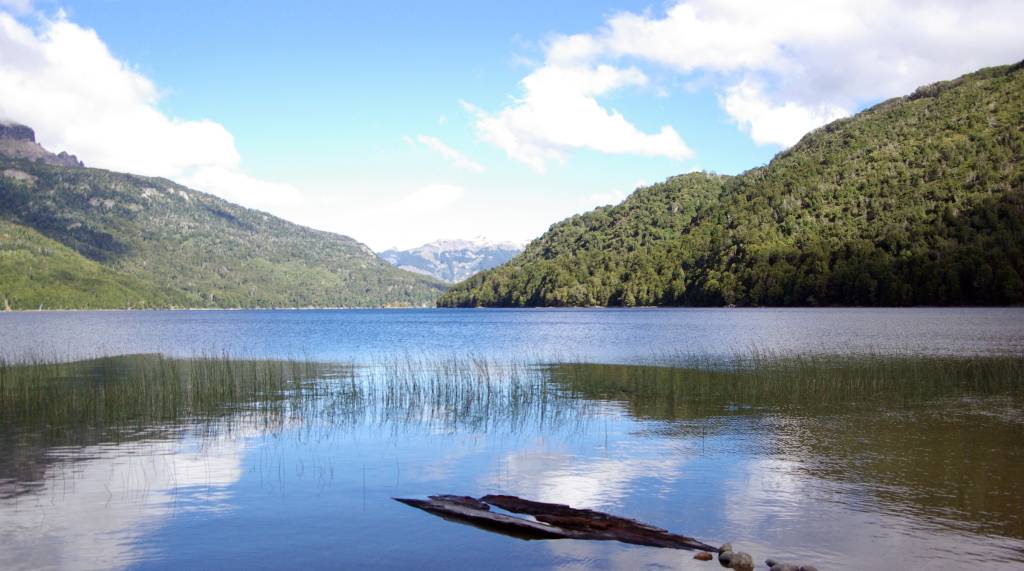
x: 599, y: 335
x: 910, y: 464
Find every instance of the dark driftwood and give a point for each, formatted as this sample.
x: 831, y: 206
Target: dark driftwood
x: 550, y: 521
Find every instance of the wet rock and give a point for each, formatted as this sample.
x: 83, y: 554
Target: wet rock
x: 725, y: 554
x: 741, y: 561
x: 808, y: 568
x: 784, y: 567
x: 770, y: 563
x: 703, y: 556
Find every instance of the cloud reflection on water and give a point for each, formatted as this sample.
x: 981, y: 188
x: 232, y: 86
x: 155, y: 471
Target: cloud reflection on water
x: 139, y: 484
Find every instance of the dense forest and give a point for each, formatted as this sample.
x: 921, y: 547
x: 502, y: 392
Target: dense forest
x: 73, y: 237
x: 916, y: 201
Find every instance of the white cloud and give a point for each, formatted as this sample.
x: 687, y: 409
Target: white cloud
x: 597, y: 199
x: 61, y: 80
x: 769, y: 123
x: 787, y: 66
x: 559, y: 112
x: 455, y: 157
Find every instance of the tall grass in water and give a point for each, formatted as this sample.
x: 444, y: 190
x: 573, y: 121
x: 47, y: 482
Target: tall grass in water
x: 471, y: 392
x: 812, y: 382
x: 452, y: 392
x: 140, y: 391
x: 72, y: 401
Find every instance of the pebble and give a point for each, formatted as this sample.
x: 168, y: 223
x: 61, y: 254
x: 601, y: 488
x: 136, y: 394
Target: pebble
x: 703, y: 556
x: 741, y: 561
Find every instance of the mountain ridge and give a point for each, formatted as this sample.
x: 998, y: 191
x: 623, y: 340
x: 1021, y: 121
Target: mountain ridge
x: 453, y: 260
x: 18, y: 141
x: 170, y: 246
x: 917, y: 200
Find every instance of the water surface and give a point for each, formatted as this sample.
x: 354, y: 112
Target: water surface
x: 596, y: 335
x: 912, y: 464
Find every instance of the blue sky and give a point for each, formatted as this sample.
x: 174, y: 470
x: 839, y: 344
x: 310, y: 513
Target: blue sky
x: 343, y: 77
x: 407, y: 122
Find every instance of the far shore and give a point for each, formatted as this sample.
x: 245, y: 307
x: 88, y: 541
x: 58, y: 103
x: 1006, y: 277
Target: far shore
x: 539, y: 307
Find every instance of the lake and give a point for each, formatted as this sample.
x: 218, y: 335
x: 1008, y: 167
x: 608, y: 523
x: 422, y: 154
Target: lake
x: 598, y: 335
x: 856, y: 439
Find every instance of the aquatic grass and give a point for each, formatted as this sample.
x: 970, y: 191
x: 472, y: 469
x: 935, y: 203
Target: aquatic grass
x: 136, y: 391
x: 898, y: 422
x: 760, y: 379
x: 112, y: 397
x: 471, y: 392
x: 117, y: 399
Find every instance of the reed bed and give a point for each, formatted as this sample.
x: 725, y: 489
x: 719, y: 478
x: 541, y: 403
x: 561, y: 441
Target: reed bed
x: 140, y: 391
x: 758, y: 380
x: 466, y: 391
x: 114, y: 397
x: 453, y: 392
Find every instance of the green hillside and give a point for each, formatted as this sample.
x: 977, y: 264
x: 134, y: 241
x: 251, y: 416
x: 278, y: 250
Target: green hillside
x: 36, y: 271
x: 80, y: 237
x: 916, y: 201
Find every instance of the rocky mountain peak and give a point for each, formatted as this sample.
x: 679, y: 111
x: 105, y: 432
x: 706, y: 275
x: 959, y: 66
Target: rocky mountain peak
x: 453, y: 260
x: 18, y: 141
x: 17, y: 132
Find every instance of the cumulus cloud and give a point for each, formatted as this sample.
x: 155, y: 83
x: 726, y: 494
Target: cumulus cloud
x: 770, y: 123
x: 559, y: 111
x: 62, y: 80
x: 453, y: 156
x: 783, y: 67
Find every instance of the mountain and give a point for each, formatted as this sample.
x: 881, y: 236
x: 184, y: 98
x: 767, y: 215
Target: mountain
x: 76, y: 237
x: 18, y: 141
x: 453, y: 260
x: 918, y: 200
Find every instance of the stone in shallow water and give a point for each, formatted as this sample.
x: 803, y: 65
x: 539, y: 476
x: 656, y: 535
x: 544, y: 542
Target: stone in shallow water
x: 703, y: 556
x: 741, y: 561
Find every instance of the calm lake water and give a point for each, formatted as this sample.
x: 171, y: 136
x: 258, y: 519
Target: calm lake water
x: 598, y: 335
x: 915, y: 464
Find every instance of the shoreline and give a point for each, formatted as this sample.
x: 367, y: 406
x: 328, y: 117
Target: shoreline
x: 537, y: 308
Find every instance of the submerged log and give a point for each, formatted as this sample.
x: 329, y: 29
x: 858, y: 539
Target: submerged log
x: 462, y: 512
x: 550, y: 521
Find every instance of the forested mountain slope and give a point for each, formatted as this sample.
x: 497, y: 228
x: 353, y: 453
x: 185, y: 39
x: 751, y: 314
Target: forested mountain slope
x: 918, y: 200
x: 74, y: 237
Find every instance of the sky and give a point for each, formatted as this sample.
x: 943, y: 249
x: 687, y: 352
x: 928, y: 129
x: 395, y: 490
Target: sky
x: 400, y: 123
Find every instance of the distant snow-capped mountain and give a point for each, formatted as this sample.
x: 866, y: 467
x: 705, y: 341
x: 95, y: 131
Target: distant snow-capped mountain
x: 453, y: 260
